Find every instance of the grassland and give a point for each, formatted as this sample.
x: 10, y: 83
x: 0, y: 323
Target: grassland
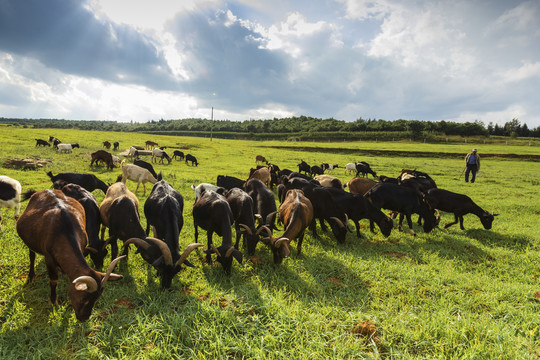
x: 449, y: 294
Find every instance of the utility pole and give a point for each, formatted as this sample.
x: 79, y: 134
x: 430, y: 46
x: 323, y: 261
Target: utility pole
x: 212, y: 126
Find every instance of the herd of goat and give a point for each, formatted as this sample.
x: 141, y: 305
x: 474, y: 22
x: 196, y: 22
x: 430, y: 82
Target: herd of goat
x: 67, y: 224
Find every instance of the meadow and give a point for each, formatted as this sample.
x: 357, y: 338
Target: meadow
x: 452, y: 294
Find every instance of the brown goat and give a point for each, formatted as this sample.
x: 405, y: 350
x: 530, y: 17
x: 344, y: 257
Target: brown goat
x: 262, y: 174
x: 260, y: 158
x: 150, y: 144
x: 296, y: 213
x: 359, y: 185
x: 54, y: 225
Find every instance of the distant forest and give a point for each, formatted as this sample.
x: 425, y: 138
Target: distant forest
x: 302, y: 127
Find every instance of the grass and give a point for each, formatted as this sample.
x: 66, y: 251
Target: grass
x: 449, y: 294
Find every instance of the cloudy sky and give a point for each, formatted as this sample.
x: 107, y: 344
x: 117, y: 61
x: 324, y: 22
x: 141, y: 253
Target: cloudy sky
x: 257, y: 59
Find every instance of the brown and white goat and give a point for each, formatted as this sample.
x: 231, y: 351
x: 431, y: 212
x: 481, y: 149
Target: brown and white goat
x: 137, y: 174
x: 53, y: 225
x: 296, y: 213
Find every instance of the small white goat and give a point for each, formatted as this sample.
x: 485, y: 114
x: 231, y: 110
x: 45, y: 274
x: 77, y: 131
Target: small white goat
x: 67, y: 148
x: 10, y: 195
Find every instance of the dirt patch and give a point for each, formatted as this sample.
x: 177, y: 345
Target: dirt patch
x: 401, y: 153
x: 28, y: 163
x: 368, y: 330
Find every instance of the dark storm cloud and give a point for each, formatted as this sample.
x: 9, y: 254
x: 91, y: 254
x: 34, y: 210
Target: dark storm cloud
x: 65, y: 35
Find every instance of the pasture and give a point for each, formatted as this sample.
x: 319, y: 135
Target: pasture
x: 447, y: 294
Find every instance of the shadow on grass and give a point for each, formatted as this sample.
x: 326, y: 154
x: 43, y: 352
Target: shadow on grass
x: 494, y: 239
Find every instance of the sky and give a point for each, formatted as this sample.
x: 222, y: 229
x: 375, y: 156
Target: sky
x: 135, y: 60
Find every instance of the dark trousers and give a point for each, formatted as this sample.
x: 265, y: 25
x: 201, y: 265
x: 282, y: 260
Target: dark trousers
x: 471, y: 168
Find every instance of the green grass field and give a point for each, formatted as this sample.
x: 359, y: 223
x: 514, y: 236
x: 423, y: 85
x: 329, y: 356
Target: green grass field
x: 451, y: 294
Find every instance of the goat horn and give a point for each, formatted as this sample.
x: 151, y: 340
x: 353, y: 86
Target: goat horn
x: 229, y: 251
x: 268, y: 231
x: 91, y: 249
x: 266, y: 240
x: 339, y: 222
x: 167, y: 257
x: 347, y: 223
x: 138, y: 242
x: 269, y: 217
x: 247, y: 229
x: 280, y: 240
x: 90, y: 282
x: 110, y: 269
x: 186, y: 252
x: 215, y: 250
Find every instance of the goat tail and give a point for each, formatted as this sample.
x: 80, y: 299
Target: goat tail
x: 28, y: 194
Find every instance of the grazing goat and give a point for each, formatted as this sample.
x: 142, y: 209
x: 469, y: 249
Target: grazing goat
x: 229, y: 182
x: 147, y: 166
x: 360, y: 185
x: 329, y: 181
x: 96, y: 247
x: 102, y: 155
x: 150, y: 144
x: 116, y: 159
x: 178, y: 153
x: 264, y: 200
x: 202, y: 187
x: 262, y: 174
x: 213, y: 214
x: 303, y: 166
x: 10, y: 195
x: 55, y: 141
x: 116, y: 145
x: 53, y: 225
x: 459, y: 205
x: 162, y: 154
x: 163, y: 210
x: 133, y: 151
x: 107, y: 145
x: 315, y: 170
x: 350, y: 168
x: 329, y: 167
x: 66, y: 148
x: 363, y: 168
x: 296, y: 213
x: 137, y: 174
x: 260, y: 159
x: 242, y: 208
x: 40, y: 142
x: 403, y: 200
x: 193, y: 160
x: 88, y: 181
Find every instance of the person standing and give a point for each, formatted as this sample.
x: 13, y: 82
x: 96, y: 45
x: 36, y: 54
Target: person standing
x: 472, y: 163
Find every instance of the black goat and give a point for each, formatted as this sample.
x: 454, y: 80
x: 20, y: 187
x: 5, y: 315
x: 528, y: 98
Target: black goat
x: 178, y: 153
x: 303, y: 166
x: 212, y: 213
x: 459, y: 205
x: 88, y: 181
x: 193, y: 160
x: 147, y: 166
x: 116, y: 145
x: 229, y: 182
x: 264, y: 200
x: 363, y: 168
x: 315, y: 170
x: 40, y: 142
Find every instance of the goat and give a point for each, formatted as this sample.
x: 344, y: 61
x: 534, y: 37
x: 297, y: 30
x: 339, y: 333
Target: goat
x: 329, y: 167
x: 403, y: 200
x: 40, y: 142
x: 150, y: 144
x: 229, y: 182
x: 67, y: 148
x: 303, y: 166
x: 350, y: 168
x: 55, y: 141
x: 199, y: 189
x: 363, y: 168
x: 242, y: 208
x: 459, y: 205
x: 102, y: 155
x: 116, y: 159
x: 263, y: 174
x: 212, y: 213
x: 193, y: 160
x: 163, y: 210
x: 88, y: 181
x: 296, y: 213
x: 107, y: 145
x: 264, y: 200
x: 329, y: 181
x: 360, y: 185
x: 147, y: 166
x: 261, y: 159
x: 316, y: 170
x: 162, y: 154
x: 53, y: 225
x: 96, y: 247
x: 137, y: 174
x: 178, y: 153
x: 116, y: 145
x: 10, y: 195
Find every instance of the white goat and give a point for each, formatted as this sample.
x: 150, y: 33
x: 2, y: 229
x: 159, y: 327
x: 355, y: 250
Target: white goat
x: 137, y: 174
x: 67, y: 148
x: 202, y: 187
x: 158, y: 153
x: 350, y: 167
x: 115, y: 159
x: 10, y: 195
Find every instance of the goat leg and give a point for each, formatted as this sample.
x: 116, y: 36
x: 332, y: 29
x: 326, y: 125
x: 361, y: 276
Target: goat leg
x: 461, y: 222
x: 209, y: 254
x: 53, y: 280
x: 300, y: 240
x: 452, y: 223
x: 31, y: 272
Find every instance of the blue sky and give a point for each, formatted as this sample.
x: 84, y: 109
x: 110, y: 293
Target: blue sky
x: 141, y: 60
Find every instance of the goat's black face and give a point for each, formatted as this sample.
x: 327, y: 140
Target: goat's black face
x: 487, y: 220
x: 226, y: 261
x: 386, y: 224
x: 82, y: 301
x: 340, y: 232
x: 430, y: 222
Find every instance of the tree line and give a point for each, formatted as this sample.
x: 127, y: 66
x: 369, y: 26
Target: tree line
x: 296, y: 125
